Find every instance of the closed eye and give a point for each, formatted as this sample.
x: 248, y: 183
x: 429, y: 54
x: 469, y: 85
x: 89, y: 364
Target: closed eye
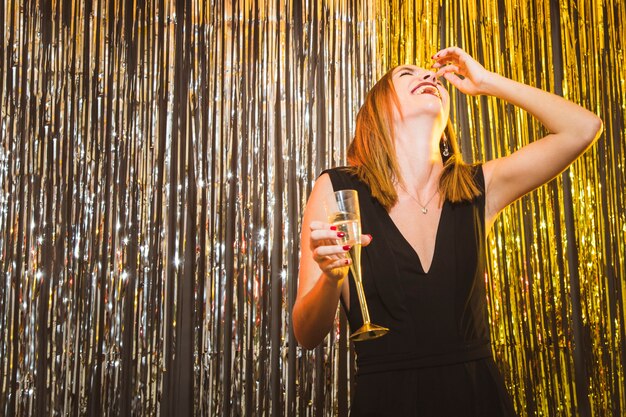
x: 405, y: 73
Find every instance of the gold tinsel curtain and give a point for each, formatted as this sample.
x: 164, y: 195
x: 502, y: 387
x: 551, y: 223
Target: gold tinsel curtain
x: 155, y: 158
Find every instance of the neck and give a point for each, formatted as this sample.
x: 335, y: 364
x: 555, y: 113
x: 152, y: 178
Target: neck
x: 418, y: 155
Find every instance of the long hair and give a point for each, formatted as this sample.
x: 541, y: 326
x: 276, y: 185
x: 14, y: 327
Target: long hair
x: 372, y: 156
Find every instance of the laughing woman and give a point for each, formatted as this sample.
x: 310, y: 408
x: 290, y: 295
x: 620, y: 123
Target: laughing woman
x: 428, y: 214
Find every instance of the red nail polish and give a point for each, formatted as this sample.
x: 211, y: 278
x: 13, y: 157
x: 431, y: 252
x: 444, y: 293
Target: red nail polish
x: 346, y: 247
x: 333, y: 227
x: 340, y: 234
x: 347, y: 261
x: 371, y: 238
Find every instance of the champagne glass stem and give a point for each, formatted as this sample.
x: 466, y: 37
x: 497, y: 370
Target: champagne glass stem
x: 363, y: 304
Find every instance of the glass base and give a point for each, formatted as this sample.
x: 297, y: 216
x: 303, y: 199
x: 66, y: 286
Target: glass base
x: 368, y: 331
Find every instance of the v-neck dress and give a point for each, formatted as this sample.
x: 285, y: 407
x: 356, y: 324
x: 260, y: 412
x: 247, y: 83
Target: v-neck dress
x: 436, y: 359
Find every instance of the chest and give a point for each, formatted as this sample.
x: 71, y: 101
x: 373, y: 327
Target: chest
x: 418, y: 229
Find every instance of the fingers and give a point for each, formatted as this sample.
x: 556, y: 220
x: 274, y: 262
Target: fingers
x: 329, y: 251
x: 449, y: 72
x: 451, y: 59
x: 447, y: 69
x: 328, y: 236
x: 334, y: 266
x: 326, y: 246
x: 332, y: 258
x: 461, y: 70
x: 324, y: 234
x: 454, y: 79
x: 450, y: 53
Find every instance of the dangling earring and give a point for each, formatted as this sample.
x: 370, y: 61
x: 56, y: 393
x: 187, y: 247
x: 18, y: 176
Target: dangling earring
x: 446, y: 149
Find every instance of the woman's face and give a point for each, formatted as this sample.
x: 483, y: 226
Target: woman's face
x: 420, y: 93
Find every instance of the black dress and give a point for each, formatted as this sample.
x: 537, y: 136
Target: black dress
x: 436, y: 359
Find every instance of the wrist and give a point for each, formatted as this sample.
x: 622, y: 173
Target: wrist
x: 331, y: 281
x: 491, y: 84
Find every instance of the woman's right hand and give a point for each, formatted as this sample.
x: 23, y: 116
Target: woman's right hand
x: 328, y: 251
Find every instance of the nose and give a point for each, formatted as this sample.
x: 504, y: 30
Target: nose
x: 429, y: 75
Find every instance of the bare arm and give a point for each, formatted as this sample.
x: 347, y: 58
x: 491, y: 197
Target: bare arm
x: 323, y: 271
x: 573, y: 130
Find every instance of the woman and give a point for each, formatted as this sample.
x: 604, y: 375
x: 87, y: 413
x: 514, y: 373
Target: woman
x: 428, y: 214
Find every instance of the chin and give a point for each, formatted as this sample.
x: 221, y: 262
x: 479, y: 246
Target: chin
x: 434, y: 109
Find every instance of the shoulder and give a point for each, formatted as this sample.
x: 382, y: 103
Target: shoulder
x: 322, y: 188
x: 340, y: 177
x: 338, y: 171
x: 344, y: 178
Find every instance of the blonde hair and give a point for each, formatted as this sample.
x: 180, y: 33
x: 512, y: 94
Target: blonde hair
x: 372, y: 156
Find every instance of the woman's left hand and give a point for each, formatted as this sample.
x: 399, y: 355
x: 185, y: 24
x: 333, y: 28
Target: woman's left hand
x: 452, y: 61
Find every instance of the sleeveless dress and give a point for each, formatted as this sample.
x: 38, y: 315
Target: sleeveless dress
x: 436, y: 359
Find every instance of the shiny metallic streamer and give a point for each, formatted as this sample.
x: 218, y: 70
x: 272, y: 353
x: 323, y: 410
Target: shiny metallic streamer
x: 156, y: 157
x: 155, y: 160
x: 557, y: 334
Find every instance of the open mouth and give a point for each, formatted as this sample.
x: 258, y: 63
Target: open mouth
x: 426, y: 88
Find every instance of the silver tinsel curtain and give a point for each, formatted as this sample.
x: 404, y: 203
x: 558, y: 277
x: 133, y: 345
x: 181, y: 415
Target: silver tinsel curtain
x: 155, y: 159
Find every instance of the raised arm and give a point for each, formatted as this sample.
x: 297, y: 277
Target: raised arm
x: 323, y: 270
x: 572, y: 128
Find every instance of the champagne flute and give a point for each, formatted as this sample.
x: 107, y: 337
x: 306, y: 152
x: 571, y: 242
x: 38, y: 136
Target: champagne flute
x: 344, y: 213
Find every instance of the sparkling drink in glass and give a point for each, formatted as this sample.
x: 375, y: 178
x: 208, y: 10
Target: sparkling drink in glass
x: 344, y: 213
